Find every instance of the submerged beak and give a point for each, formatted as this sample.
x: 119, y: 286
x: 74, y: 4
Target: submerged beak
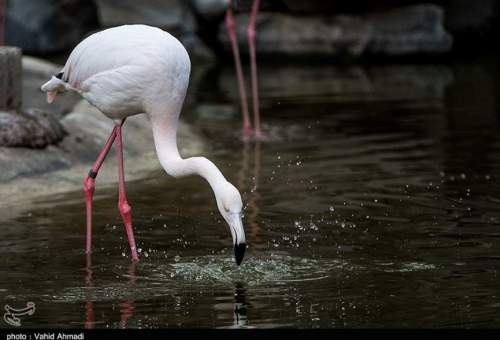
x: 50, y: 96
x: 238, y: 234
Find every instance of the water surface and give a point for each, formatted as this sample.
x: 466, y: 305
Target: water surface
x: 374, y: 202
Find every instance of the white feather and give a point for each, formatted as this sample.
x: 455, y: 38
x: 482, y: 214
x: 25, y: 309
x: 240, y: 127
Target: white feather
x: 134, y: 69
x: 119, y: 69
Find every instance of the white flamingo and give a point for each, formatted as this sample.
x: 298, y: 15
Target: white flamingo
x: 133, y: 69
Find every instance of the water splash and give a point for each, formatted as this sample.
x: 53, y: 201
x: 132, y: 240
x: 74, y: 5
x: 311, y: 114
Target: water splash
x: 216, y: 271
x: 256, y: 270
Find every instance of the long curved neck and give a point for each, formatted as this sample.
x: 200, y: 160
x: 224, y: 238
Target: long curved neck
x: 165, y: 137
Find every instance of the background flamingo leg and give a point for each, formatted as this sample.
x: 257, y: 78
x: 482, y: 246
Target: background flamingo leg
x: 123, y: 206
x: 231, y: 27
x: 251, y: 34
x: 89, y: 186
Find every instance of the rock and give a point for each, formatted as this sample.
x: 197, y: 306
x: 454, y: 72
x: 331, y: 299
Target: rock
x: 471, y: 19
x: 47, y: 26
x: 171, y: 15
x: 300, y: 6
x: 209, y: 9
x: 292, y: 35
x: 265, y: 5
x: 197, y: 48
x: 174, y: 16
x: 10, y: 78
x: 30, y: 173
x: 413, y: 29
x: 33, y: 129
x: 89, y: 129
x: 347, y: 83
x: 409, y: 30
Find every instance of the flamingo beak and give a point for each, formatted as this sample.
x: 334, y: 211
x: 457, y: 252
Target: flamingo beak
x: 51, y: 95
x: 238, y: 234
x: 239, y: 252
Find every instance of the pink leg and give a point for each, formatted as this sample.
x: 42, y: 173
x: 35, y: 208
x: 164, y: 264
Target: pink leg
x: 231, y: 27
x: 89, y: 186
x: 123, y: 206
x: 251, y: 33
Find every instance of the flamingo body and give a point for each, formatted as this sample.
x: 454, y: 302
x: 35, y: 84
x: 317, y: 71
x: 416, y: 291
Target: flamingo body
x: 122, y: 69
x: 133, y: 69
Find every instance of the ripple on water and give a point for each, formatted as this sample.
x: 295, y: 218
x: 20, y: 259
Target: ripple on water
x: 390, y: 267
x: 256, y: 270
x: 151, y: 279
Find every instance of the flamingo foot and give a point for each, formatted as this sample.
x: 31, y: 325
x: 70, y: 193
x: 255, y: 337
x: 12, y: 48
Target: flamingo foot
x: 247, y: 132
x: 253, y: 135
x: 126, y: 212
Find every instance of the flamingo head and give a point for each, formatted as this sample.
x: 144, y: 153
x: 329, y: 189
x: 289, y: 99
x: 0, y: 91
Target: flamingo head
x: 230, y: 206
x: 53, y: 86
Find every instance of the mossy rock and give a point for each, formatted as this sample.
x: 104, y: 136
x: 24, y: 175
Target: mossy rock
x: 32, y: 129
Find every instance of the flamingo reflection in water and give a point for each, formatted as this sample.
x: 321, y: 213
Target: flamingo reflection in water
x: 251, y: 190
x: 127, y: 307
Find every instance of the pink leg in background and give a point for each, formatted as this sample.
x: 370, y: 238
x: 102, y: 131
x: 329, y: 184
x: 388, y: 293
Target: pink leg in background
x: 231, y: 27
x: 123, y: 206
x: 89, y: 186
x: 251, y: 33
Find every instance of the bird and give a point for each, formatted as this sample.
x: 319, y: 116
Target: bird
x: 140, y: 69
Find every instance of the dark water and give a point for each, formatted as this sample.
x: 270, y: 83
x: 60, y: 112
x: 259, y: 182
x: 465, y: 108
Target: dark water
x: 374, y: 203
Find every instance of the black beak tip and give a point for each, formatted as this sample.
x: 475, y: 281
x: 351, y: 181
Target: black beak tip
x: 239, y: 252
